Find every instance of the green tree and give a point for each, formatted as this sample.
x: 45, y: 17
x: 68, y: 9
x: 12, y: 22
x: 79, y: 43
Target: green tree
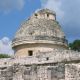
x: 4, y: 56
x: 75, y: 45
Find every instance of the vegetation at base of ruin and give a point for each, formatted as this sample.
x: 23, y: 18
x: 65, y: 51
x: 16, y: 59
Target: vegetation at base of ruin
x: 4, y: 56
x: 75, y: 45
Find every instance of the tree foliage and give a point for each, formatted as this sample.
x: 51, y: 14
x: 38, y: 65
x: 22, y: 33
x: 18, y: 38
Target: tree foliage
x: 4, y: 56
x: 75, y: 45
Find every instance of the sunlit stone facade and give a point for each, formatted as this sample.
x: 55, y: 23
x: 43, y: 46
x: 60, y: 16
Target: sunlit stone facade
x: 41, y: 52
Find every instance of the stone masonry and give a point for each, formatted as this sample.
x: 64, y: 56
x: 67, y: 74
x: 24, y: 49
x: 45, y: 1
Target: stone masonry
x: 41, y: 52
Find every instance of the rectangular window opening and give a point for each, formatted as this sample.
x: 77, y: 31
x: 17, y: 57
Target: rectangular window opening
x: 30, y: 53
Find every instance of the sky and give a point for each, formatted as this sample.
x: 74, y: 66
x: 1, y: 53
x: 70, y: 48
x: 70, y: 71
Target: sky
x: 14, y: 12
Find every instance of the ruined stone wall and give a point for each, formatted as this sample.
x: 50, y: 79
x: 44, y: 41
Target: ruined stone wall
x: 56, y: 65
x: 42, y: 57
x: 72, y: 71
x: 33, y: 72
x: 47, y: 71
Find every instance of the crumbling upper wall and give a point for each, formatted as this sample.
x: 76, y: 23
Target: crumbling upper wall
x: 45, y: 14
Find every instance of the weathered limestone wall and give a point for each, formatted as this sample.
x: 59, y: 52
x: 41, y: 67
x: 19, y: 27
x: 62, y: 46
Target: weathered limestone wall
x: 55, y: 65
x: 42, y: 57
x: 45, y: 16
x: 38, y: 71
x: 40, y: 31
x: 72, y: 71
x: 33, y: 72
x: 22, y: 51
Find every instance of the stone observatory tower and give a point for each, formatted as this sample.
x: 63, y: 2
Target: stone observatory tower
x: 41, y: 32
x: 41, y: 52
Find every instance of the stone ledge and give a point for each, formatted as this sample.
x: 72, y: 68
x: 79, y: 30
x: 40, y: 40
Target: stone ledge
x: 42, y: 39
x: 65, y: 56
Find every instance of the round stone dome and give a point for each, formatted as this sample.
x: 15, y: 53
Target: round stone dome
x: 41, y: 27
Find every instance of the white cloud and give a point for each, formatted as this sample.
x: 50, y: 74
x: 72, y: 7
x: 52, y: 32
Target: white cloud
x: 68, y: 14
x: 5, y: 46
x: 54, y: 5
x: 9, y: 5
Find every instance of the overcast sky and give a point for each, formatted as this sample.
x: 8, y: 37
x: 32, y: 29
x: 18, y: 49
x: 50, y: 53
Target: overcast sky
x: 13, y: 12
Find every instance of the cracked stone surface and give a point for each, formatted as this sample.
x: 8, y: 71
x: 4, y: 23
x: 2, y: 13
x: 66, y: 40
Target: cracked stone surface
x: 41, y: 52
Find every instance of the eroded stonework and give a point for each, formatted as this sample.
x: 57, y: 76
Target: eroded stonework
x: 41, y: 52
x: 33, y: 72
x: 57, y: 65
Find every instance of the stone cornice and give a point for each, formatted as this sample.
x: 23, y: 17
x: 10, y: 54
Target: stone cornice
x: 39, y: 39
